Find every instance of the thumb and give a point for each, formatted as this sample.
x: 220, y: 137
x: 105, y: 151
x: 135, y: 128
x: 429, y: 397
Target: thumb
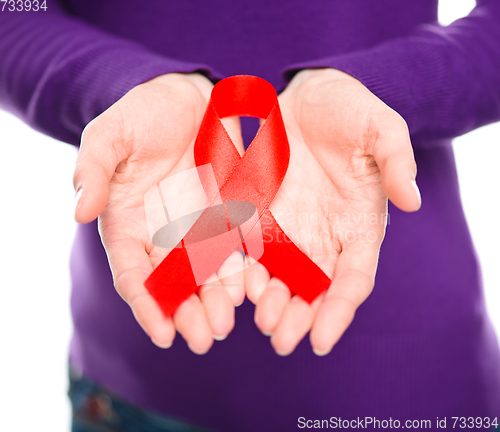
x: 393, y: 154
x: 97, y: 160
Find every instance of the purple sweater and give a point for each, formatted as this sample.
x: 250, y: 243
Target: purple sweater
x: 421, y: 346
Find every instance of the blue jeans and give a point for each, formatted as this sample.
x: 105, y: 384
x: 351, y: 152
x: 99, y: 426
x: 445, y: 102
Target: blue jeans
x: 97, y: 410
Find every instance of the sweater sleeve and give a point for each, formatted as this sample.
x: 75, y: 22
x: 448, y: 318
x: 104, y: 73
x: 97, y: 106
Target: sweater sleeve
x: 444, y: 81
x: 57, y: 72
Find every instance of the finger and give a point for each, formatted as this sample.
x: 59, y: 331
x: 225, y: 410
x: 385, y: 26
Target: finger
x: 256, y: 280
x: 152, y: 320
x: 271, y: 305
x: 393, y: 154
x: 192, y: 323
x: 131, y: 266
x: 97, y: 160
x: 232, y: 277
x: 233, y: 128
x: 296, y: 321
x: 219, y: 309
x: 352, y: 282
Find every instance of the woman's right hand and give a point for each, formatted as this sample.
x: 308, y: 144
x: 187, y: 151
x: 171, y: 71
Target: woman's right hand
x: 144, y: 137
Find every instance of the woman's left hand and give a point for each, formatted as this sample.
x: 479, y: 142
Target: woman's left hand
x: 349, y: 153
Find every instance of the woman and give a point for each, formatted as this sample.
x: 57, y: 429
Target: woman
x: 420, y: 348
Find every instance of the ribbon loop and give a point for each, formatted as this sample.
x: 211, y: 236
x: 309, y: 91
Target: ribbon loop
x: 244, y: 96
x: 249, y: 181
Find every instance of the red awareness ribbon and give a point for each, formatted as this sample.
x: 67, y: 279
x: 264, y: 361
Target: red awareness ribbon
x: 254, y: 178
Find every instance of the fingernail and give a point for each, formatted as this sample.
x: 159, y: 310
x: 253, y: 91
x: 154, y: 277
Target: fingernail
x: 78, y: 200
x: 219, y: 338
x: 159, y: 345
x: 266, y: 333
x: 277, y: 351
x: 282, y: 353
x: 195, y: 351
x: 320, y: 353
x: 417, y: 190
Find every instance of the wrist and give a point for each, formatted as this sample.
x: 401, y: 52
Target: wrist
x: 199, y: 82
x: 311, y: 77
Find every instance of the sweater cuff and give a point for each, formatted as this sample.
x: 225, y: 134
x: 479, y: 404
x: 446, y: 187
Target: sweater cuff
x: 94, y: 80
x: 409, y: 75
x: 118, y: 70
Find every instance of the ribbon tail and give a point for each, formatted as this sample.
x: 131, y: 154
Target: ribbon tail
x: 171, y: 285
x: 281, y: 258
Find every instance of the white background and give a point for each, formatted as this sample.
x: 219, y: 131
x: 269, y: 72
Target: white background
x: 37, y: 227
